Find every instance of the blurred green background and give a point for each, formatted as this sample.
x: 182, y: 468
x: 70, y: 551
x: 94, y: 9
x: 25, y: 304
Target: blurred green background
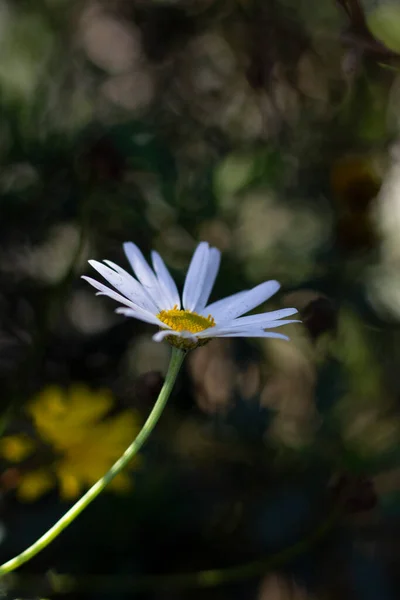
x: 269, y: 128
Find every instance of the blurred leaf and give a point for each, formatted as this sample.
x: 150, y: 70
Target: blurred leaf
x: 384, y: 23
x: 233, y: 174
x: 26, y: 45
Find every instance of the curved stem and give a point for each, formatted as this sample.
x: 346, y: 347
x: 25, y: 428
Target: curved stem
x: 173, y: 370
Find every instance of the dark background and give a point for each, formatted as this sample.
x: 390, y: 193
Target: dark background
x: 270, y: 129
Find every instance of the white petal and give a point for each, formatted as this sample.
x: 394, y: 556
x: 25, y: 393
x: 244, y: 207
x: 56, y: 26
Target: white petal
x: 237, y: 332
x: 214, y: 259
x: 281, y: 313
x: 247, y: 302
x: 129, y: 287
x: 222, y: 304
x: 280, y: 322
x: 195, y: 277
x: 166, y: 281
x: 105, y: 291
x: 143, y: 272
x: 265, y: 318
x: 160, y: 335
x: 152, y: 298
x: 119, y: 270
x: 260, y: 334
x: 233, y: 327
x: 142, y: 315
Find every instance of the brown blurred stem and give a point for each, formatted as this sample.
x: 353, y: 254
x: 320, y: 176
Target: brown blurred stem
x: 60, y: 584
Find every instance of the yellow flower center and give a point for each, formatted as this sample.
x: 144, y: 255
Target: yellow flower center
x: 185, y: 320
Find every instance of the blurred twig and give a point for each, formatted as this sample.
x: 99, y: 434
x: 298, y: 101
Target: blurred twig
x: 57, y: 583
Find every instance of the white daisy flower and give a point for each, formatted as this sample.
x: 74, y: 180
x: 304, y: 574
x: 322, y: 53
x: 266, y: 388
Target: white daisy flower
x: 188, y: 322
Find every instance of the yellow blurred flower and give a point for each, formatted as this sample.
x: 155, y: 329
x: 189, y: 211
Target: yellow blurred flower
x: 15, y: 448
x: 86, y: 442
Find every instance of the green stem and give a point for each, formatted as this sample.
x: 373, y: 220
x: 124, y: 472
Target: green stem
x: 173, y: 370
